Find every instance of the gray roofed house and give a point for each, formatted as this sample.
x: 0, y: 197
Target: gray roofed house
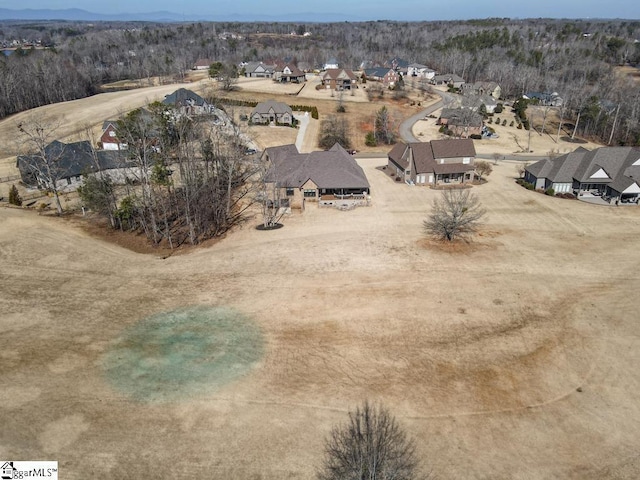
x: 259, y: 70
x: 188, y: 102
x: 449, y: 79
x: 272, y: 112
x: 68, y: 162
x: 433, y: 163
x: 612, y: 173
x: 463, y: 122
x: 421, y: 71
x: 331, y: 178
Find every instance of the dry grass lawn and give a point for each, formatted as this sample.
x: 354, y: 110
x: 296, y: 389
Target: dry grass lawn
x: 513, y: 357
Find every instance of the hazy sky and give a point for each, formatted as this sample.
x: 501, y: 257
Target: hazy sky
x: 367, y: 9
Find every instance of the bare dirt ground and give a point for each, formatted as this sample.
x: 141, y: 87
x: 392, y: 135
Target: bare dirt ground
x: 514, y: 357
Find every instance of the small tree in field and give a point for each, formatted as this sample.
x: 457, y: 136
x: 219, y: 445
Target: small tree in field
x: 483, y: 169
x: 371, y: 446
x: 14, y: 196
x: 455, y: 214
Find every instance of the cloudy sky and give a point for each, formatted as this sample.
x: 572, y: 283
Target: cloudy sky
x: 363, y: 9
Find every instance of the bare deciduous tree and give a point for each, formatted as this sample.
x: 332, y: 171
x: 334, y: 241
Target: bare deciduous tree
x: 370, y: 446
x: 44, y: 162
x: 334, y: 130
x: 483, y: 168
x: 455, y: 214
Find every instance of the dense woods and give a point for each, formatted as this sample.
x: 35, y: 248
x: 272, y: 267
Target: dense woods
x: 572, y: 57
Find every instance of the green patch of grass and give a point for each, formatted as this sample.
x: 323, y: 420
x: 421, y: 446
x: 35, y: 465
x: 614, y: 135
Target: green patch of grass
x: 182, y: 353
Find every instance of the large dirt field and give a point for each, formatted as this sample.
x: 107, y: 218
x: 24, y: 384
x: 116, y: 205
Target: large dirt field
x: 513, y: 357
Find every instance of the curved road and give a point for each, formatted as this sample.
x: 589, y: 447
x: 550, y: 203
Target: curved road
x: 446, y: 98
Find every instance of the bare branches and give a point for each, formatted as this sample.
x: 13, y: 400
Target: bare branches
x: 456, y: 214
x: 370, y: 446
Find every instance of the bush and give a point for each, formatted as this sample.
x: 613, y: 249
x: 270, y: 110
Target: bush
x: 549, y: 191
x: 341, y: 109
x: 499, y: 108
x: 475, y: 136
x: 498, y: 121
x: 519, y: 126
x: 370, y: 139
x: 512, y: 123
x: 14, y: 196
x: 490, y: 120
x: 504, y: 122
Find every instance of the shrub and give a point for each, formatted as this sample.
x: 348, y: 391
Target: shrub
x: 549, y: 191
x: 499, y: 108
x: 498, y: 121
x: 370, y: 139
x: 14, y: 196
x: 490, y: 120
x: 512, y: 123
x: 504, y: 122
x: 341, y: 109
x: 519, y: 126
x: 475, y: 136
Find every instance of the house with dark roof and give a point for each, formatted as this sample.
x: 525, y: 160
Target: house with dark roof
x: 330, y: 178
x: 288, y: 73
x: 188, y: 102
x: 272, y: 112
x: 387, y: 76
x: 67, y: 163
x: 339, y: 79
x: 448, y: 79
x: 433, y: 163
x: 462, y: 122
x: 612, y: 173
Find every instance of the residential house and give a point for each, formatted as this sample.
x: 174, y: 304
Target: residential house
x: 420, y: 71
x: 202, y: 64
x: 188, y: 103
x: 482, y: 88
x: 109, y: 139
x: 332, y: 63
x: 398, y: 64
x: 387, y: 76
x: 330, y: 178
x: 272, y: 112
x: 612, y: 173
x: 339, y: 79
x: 259, y: 70
x: 462, y: 122
x: 545, y: 98
x: 288, y: 73
x: 72, y: 161
x: 449, y: 79
x: 433, y: 163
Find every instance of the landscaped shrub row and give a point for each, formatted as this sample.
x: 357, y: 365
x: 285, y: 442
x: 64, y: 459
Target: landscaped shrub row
x: 306, y: 108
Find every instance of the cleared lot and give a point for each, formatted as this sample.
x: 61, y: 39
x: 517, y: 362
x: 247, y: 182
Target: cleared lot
x: 479, y: 351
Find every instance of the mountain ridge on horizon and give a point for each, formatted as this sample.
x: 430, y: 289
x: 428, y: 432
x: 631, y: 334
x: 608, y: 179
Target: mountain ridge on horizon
x: 77, y: 14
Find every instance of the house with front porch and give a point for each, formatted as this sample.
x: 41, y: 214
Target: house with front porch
x: 612, y: 173
x: 187, y: 102
x: 482, y: 88
x: 329, y: 178
x: 288, y: 73
x: 387, y: 76
x: 433, y: 163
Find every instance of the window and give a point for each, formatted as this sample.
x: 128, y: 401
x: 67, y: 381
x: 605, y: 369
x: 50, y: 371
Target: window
x: 290, y: 192
x: 309, y: 193
x: 466, y: 160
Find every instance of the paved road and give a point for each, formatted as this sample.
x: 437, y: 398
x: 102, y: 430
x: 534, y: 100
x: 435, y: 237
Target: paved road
x: 446, y: 98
